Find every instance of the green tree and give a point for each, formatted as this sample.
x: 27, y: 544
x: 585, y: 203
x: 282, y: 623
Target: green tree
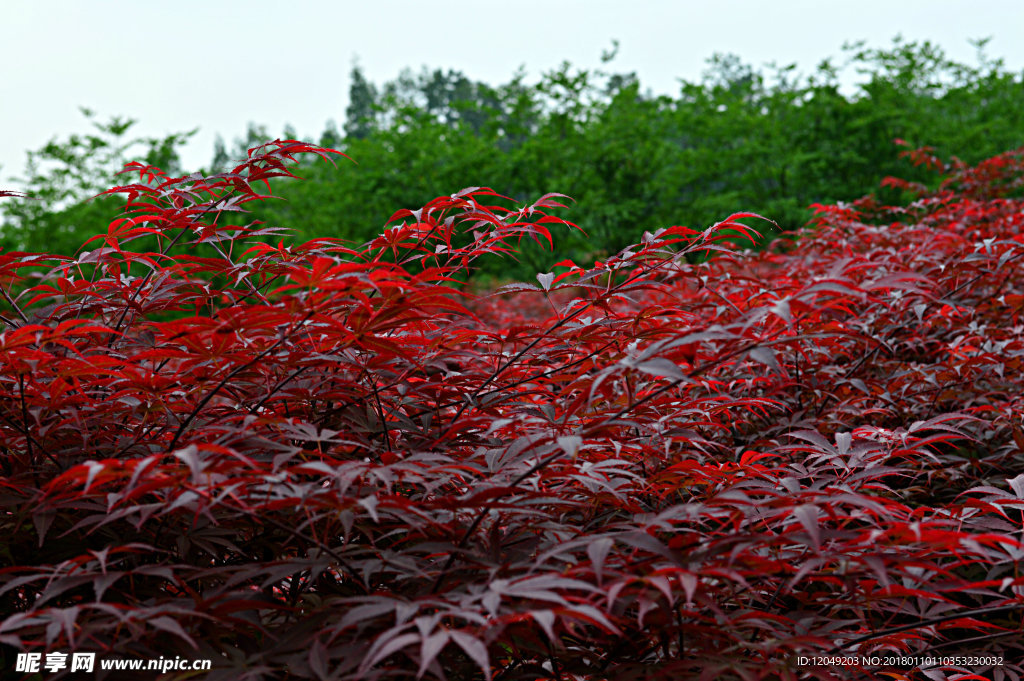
x: 770, y: 140
x: 62, y: 176
x: 360, y: 113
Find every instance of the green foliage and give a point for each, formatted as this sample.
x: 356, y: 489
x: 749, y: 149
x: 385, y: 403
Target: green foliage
x: 770, y: 140
x: 61, y: 178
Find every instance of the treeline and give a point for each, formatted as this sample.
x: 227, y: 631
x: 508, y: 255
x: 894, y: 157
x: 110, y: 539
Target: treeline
x: 770, y: 140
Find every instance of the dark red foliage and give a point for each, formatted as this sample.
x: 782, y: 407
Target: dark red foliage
x: 316, y: 461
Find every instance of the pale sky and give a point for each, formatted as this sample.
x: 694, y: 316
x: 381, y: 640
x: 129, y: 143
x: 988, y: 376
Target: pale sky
x: 220, y: 64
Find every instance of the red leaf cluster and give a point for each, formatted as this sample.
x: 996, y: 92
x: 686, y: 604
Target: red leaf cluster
x: 317, y: 461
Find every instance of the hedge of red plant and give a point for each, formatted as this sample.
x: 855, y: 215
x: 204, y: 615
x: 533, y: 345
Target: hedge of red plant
x: 324, y: 462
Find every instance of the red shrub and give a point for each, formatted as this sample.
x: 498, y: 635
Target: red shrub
x: 314, y: 461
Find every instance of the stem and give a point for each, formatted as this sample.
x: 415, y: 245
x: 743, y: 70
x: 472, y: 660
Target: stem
x: 924, y: 623
x: 227, y: 379
x: 14, y: 305
x: 149, y: 274
x: 583, y: 432
x: 544, y: 336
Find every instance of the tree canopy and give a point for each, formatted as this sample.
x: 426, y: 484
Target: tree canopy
x: 770, y: 140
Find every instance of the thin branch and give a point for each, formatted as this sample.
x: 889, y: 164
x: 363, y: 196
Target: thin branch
x: 925, y: 623
x: 237, y: 370
x: 14, y: 306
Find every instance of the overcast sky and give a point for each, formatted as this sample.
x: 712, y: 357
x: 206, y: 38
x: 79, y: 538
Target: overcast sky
x: 219, y: 64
